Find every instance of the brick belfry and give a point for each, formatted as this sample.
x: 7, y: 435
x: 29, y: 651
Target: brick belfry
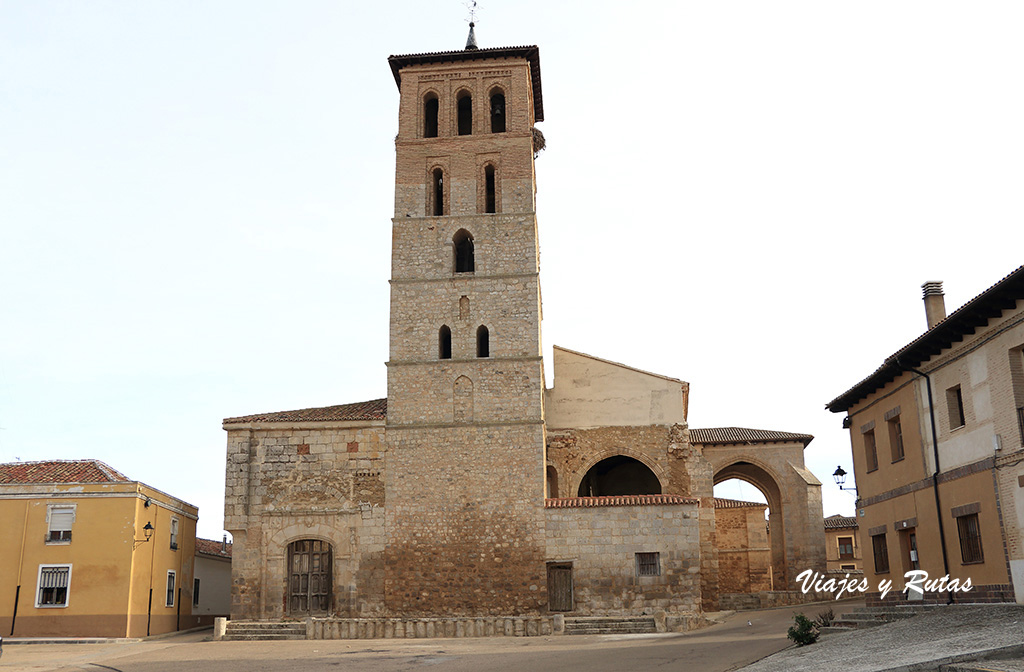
x: 464, y: 477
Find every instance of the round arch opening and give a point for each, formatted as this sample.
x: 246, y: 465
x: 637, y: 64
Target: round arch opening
x: 619, y: 475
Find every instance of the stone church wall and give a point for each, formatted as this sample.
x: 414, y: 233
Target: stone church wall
x: 287, y: 482
x: 602, y: 543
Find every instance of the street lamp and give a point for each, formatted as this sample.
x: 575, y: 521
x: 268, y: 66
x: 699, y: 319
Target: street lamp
x: 148, y: 531
x: 840, y: 477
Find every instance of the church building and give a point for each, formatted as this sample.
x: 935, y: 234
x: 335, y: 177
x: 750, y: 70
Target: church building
x: 471, y: 490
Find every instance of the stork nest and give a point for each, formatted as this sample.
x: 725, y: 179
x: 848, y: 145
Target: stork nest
x: 538, y: 142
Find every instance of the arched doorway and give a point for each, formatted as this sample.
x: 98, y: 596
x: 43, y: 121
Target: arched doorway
x: 310, y: 564
x: 768, y: 486
x: 619, y: 475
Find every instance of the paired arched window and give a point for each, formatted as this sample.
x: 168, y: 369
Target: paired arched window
x: 464, y: 261
x: 490, y: 189
x: 464, y: 107
x: 497, y: 111
x: 444, y: 343
x: 430, y: 108
x: 483, y: 342
x: 437, y: 192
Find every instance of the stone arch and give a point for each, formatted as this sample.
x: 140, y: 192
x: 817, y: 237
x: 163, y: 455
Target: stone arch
x: 637, y: 456
x: 551, y: 481
x: 760, y: 475
x: 462, y: 397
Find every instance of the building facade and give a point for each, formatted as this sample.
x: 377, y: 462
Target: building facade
x: 843, y: 550
x: 471, y: 490
x: 937, y: 433
x: 211, y: 585
x: 90, y: 553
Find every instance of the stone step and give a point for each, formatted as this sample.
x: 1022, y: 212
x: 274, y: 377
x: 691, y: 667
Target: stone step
x: 609, y: 626
x: 264, y: 630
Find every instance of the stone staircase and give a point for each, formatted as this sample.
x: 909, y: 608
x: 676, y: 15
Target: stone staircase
x: 594, y: 625
x: 239, y: 631
x: 867, y: 617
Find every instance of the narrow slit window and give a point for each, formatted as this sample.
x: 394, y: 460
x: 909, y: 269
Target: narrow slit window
x: 483, y: 342
x: 955, y: 406
x: 497, y: 112
x: 464, y: 256
x: 896, y: 438
x: 444, y: 343
x: 430, y: 107
x: 170, y: 588
x: 490, y: 196
x: 465, y: 112
x: 870, y: 450
x: 437, y: 180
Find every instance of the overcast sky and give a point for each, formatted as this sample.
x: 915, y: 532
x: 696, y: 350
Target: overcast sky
x: 195, y: 204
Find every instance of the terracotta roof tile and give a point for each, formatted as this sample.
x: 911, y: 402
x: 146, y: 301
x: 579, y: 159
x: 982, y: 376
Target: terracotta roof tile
x: 963, y: 321
x: 736, y: 504
x: 60, y: 471
x: 212, y: 547
x: 617, y: 500
x: 743, y: 435
x: 840, y: 522
x: 364, y: 410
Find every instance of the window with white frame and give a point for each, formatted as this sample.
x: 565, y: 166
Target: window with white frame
x: 59, y: 520
x: 170, y: 588
x: 53, y: 584
x: 174, y: 533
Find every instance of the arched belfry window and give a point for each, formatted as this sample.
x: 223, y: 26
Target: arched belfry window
x: 437, y: 192
x: 465, y: 111
x: 497, y: 111
x: 490, y: 189
x: 444, y: 343
x: 430, y: 107
x: 483, y: 342
x: 464, y: 261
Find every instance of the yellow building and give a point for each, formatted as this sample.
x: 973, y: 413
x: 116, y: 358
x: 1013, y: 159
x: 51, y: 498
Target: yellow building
x: 842, y: 544
x: 88, y: 552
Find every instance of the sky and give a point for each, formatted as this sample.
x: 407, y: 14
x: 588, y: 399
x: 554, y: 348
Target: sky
x: 195, y: 204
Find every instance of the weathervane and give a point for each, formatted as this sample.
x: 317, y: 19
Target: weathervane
x: 471, y: 40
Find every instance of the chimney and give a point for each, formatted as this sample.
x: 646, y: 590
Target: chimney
x: 934, y: 302
x: 224, y: 544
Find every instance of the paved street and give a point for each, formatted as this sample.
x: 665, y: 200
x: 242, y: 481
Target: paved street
x: 715, y: 649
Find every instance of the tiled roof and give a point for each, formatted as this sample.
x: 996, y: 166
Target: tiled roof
x: 840, y: 522
x: 735, y: 504
x: 961, y: 322
x: 364, y: 410
x: 617, y: 500
x: 60, y: 471
x: 212, y: 547
x: 743, y: 435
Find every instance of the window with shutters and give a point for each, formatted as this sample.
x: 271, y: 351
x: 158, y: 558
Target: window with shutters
x: 174, y: 534
x: 881, y: 553
x: 170, y: 588
x: 59, y: 522
x: 52, y: 585
x: 970, y: 539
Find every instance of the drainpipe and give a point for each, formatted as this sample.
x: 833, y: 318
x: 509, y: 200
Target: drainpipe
x: 935, y: 475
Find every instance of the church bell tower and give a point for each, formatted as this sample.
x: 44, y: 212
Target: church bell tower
x: 464, y: 478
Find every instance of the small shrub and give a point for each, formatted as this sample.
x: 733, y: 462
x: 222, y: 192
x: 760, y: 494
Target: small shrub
x: 825, y: 618
x: 804, y: 632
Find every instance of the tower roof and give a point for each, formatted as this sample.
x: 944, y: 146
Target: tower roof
x: 530, y: 53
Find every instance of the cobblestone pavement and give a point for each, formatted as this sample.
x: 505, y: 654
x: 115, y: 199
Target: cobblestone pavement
x: 949, y: 635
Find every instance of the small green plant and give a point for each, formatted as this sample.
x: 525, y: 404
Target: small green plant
x: 825, y: 618
x: 804, y: 632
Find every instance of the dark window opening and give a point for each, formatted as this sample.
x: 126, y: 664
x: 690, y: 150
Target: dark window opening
x: 845, y: 548
x: 170, y: 589
x: 648, y: 564
x: 195, y: 592
x: 619, y: 475
x: 444, y: 343
x: 870, y: 450
x: 464, y: 260
x: 498, y: 113
x: 53, y: 586
x: 881, y: 552
x: 896, y: 439
x: 430, y: 107
x: 490, y: 200
x: 552, y: 482
x: 483, y: 342
x: 465, y: 108
x: 438, y: 181
x: 955, y: 405
x: 970, y: 539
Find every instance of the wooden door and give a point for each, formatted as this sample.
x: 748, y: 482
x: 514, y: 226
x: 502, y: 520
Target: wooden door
x: 560, y: 596
x: 309, y: 577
